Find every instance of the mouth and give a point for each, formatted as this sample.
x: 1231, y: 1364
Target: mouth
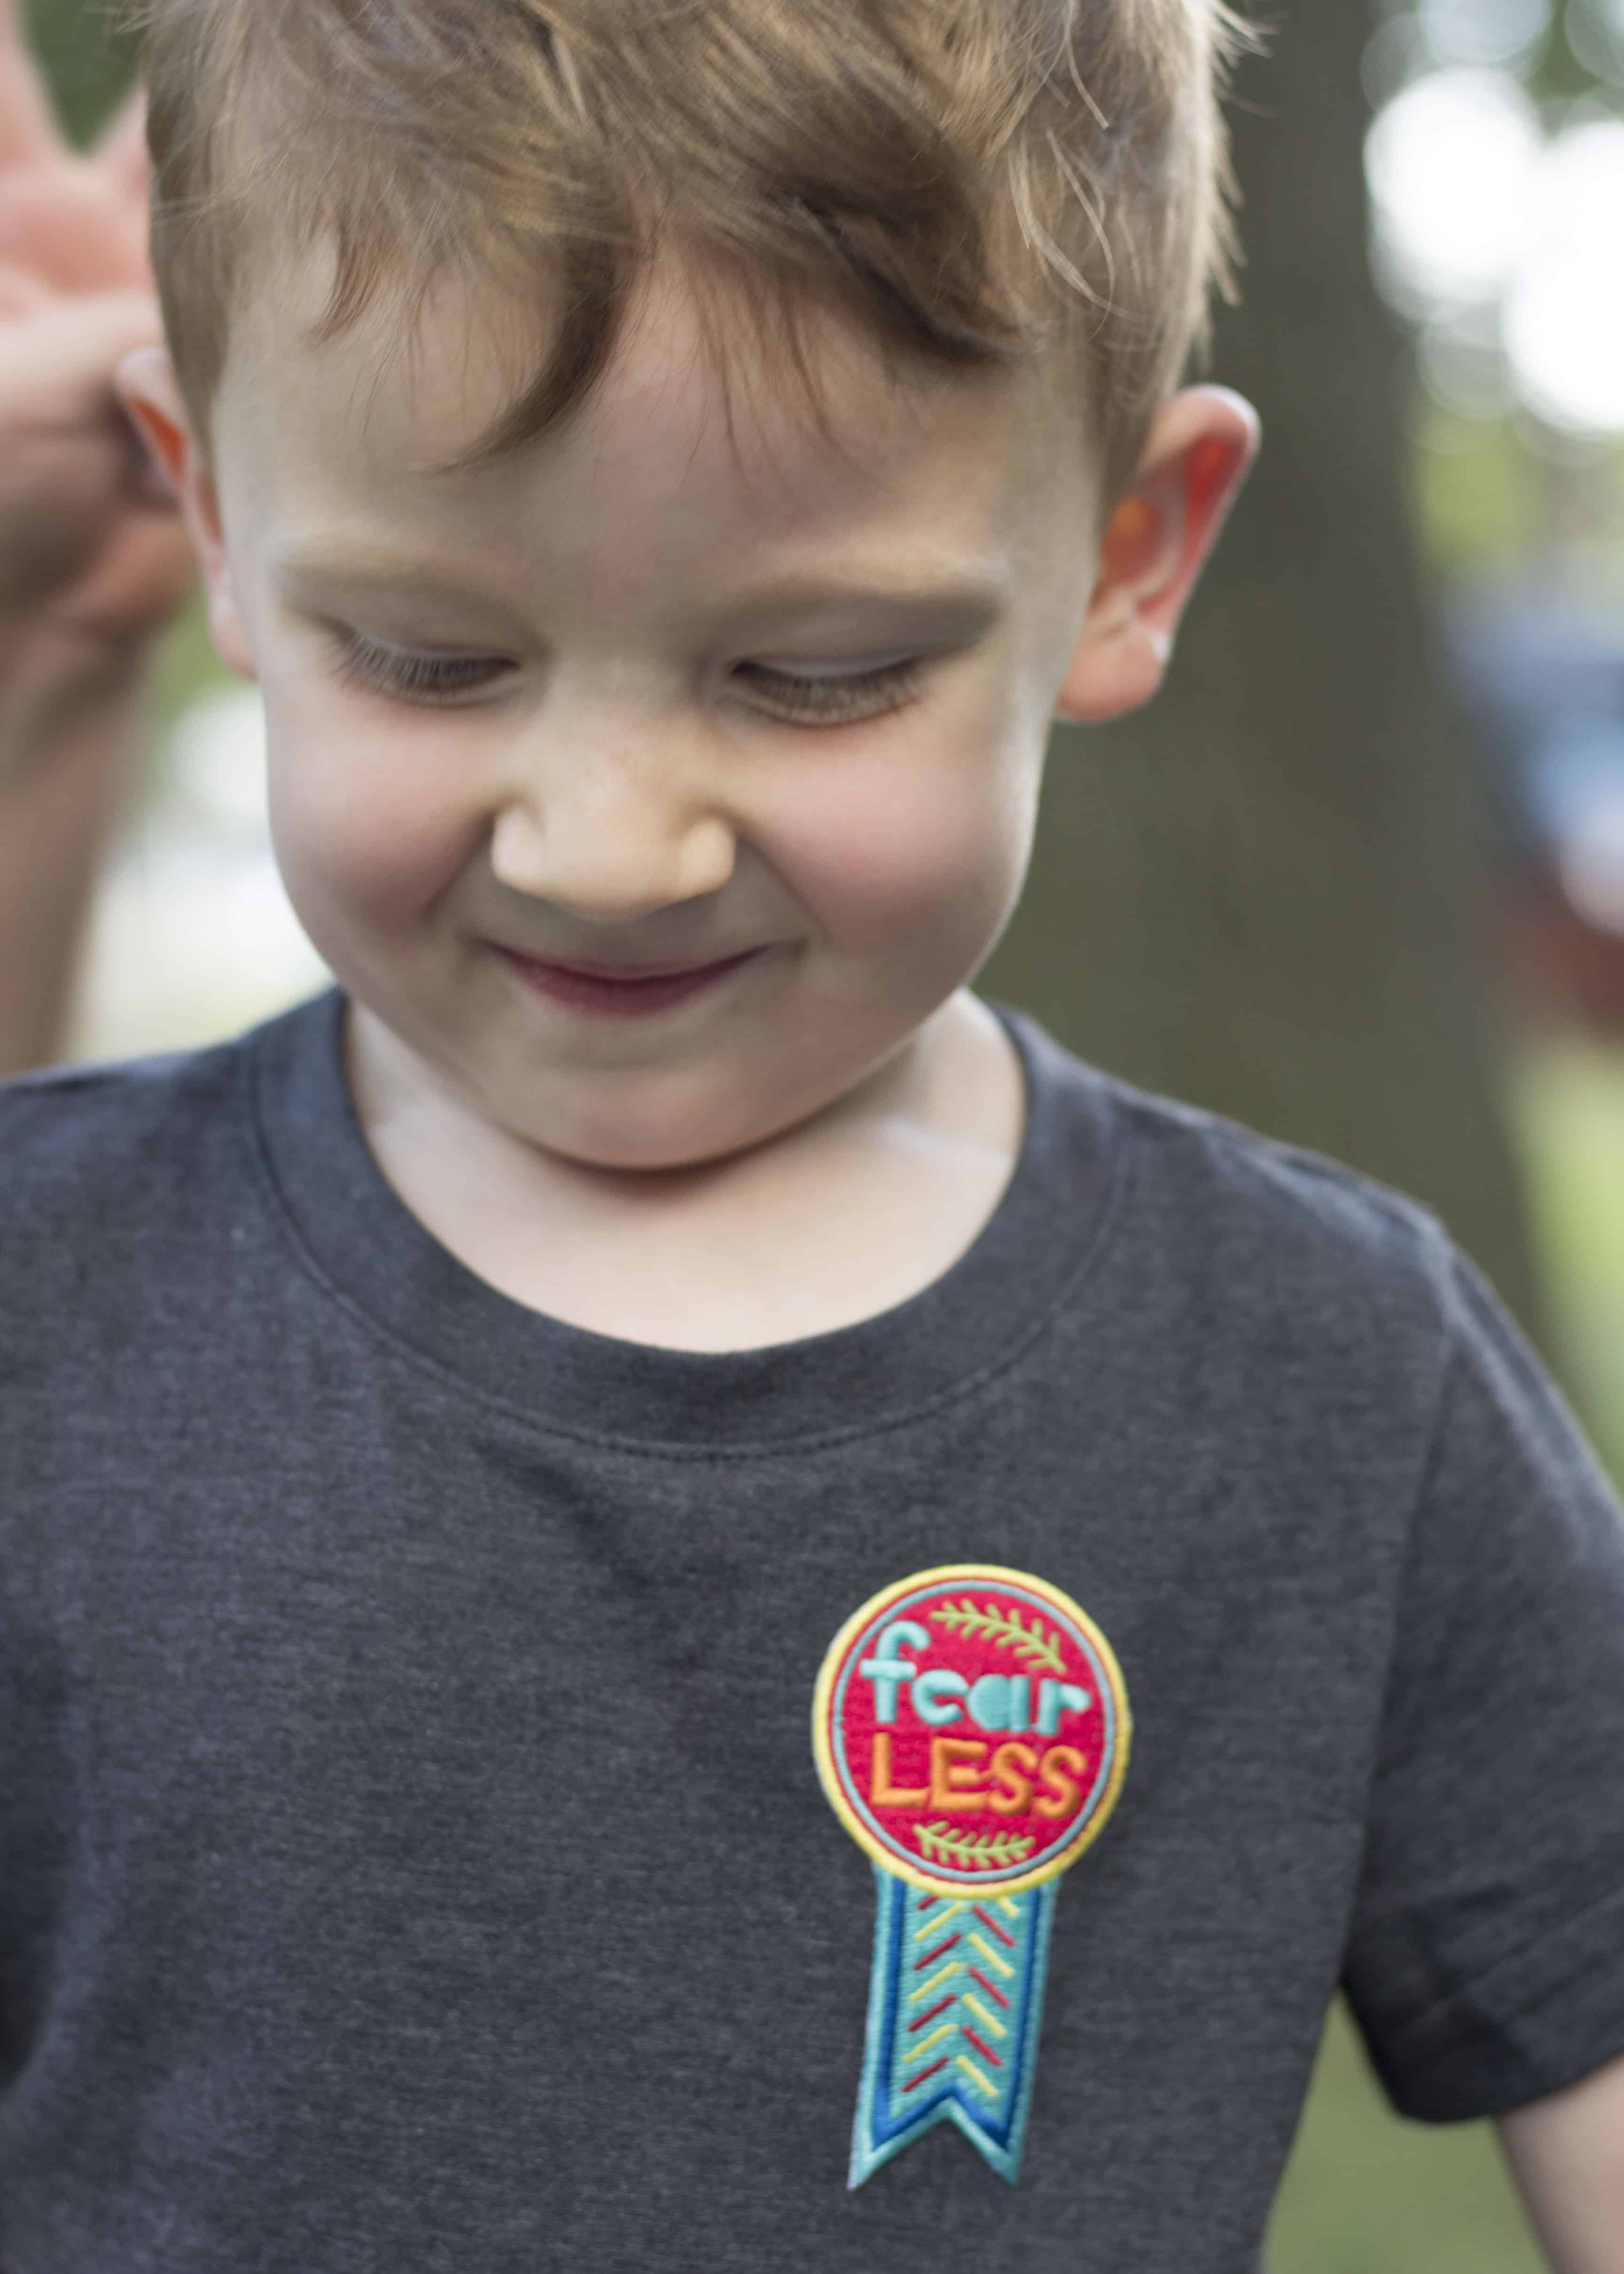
x: 623, y: 991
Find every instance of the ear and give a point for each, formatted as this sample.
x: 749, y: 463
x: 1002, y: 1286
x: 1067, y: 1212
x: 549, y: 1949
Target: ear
x: 151, y: 395
x: 1200, y: 452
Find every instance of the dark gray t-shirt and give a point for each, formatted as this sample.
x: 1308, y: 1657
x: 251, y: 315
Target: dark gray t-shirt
x: 412, y: 1859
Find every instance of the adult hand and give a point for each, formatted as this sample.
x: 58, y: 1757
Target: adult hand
x: 93, y: 559
x: 92, y: 555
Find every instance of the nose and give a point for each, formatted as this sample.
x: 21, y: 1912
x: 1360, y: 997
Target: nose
x: 611, y: 836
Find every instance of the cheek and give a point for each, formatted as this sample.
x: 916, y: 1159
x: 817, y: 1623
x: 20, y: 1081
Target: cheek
x: 925, y: 834
x: 367, y: 820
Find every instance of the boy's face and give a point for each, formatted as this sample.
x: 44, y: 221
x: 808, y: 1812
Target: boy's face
x: 655, y: 785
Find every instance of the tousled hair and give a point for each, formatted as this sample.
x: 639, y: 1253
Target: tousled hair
x: 972, y: 181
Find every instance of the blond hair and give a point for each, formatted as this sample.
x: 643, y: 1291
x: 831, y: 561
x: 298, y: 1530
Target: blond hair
x: 970, y: 179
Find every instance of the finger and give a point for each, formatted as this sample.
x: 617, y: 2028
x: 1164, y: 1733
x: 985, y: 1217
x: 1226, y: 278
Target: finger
x: 120, y: 153
x: 21, y: 293
x: 56, y: 368
x: 27, y: 123
x: 140, y: 582
x: 65, y: 224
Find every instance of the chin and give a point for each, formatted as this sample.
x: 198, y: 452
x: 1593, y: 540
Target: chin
x: 652, y: 1126
x: 634, y: 1150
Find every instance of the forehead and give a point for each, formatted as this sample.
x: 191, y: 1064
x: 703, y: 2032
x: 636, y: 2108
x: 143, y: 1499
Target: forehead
x: 701, y: 444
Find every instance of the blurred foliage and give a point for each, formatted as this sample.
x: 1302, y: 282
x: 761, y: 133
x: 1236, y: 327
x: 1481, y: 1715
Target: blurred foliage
x: 1569, y: 1098
x: 1473, y: 491
x: 185, y: 669
x: 1557, y: 70
x: 88, y: 54
x: 1496, y: 494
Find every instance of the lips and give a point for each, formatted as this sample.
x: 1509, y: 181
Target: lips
x: 621, y: 991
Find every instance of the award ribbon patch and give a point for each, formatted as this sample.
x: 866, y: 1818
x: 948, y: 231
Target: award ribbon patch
x: 971, y: 1727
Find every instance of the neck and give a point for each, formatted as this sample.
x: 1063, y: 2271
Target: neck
x: 857, y: 1206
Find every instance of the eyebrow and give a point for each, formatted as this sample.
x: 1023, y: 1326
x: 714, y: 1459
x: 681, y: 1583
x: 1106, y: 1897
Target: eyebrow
x: 968, y: 594
x: 971, y: 593
x: 323, y: 563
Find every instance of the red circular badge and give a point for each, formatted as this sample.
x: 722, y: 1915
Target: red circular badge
x: 971, y: 1727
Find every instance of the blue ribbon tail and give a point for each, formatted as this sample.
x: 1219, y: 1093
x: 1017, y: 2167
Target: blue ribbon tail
x: 955, y: 2006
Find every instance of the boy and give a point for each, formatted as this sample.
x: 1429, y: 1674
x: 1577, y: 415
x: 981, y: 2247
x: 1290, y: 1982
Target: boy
x: 664, y: 467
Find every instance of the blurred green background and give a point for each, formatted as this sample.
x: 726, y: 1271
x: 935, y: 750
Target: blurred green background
x: 1324, y: 936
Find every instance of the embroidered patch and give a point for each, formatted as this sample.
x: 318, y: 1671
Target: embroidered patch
x: 971, y: 1727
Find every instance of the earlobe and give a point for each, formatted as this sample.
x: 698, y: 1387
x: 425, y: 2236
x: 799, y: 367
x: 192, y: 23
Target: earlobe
x: 1200, y: 449
x: 1119, y: 671
x: 152, y: 396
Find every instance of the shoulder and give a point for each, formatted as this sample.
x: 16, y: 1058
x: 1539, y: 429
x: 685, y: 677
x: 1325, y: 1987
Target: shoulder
x: 1272, y: 1199
x: 133, y: 1201
x: 1230, y: 1231
x: 122, y: 1166
x: 72, y: 1134
x: 119, y: 1184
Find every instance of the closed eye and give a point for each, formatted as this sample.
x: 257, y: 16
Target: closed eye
x: 831, y: 699
x: 413, y: 674
x: 798, y: 698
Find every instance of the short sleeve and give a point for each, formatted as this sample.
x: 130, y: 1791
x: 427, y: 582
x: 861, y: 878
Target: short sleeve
x: 1485, y: 1958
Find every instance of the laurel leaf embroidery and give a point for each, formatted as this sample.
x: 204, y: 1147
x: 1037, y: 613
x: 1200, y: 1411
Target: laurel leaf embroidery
x: 982, y: 1851
x: 1034, y: 1644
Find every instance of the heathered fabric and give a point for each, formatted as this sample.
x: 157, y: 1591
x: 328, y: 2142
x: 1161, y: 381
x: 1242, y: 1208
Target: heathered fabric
x: 411, y: 1858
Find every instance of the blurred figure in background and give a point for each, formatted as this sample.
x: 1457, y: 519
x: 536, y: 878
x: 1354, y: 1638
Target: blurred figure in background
x: 92, y: 560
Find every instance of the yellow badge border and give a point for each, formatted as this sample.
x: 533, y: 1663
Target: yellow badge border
x: 1057, y: 1860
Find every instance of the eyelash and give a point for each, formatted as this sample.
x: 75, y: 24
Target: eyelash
x: 411, y: 677
x: 836, y: 702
